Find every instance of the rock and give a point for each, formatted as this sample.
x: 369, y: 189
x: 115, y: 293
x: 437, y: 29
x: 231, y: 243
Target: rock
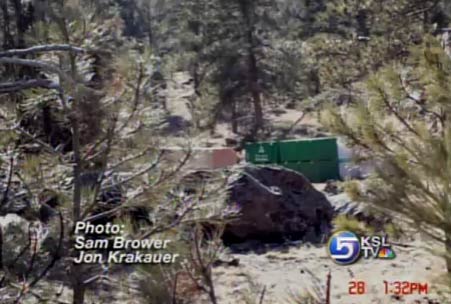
x: 275, y: 204
x: 14, y: 199
x: 176, y: 124
x: 234, y: 262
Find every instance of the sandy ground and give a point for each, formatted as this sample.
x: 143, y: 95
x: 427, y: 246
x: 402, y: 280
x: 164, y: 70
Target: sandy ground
x: 286, y: 270
x: 179, y: 91
x: 8, y: 219
x: 177, y: 103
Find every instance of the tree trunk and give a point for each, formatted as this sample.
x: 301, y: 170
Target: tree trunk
x: 315, y: 87
x: 252, y: 66
x: 448, y: 251
x: 20, y: 23
x: 8, y: 41
x: 1, y: 250
x: 78, y: 287
x: 234, y: 117
x: 196, y: 78
x: 149, y: 25
x: 77, y: 272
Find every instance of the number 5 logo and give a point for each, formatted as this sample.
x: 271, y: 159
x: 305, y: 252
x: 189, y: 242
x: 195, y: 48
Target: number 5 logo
x: 344, y: 247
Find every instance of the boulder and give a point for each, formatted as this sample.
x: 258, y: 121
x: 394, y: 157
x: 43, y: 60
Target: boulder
x: 14, y: 199
x: 276, y: 204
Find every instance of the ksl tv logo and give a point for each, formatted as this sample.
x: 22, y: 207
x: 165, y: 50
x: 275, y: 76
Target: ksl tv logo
x: 346, y: 247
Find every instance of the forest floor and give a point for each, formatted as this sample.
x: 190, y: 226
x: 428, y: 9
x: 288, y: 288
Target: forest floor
x: 287, y: 270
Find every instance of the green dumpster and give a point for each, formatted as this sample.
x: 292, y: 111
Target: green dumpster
x: 327, y: 170
x: 262, y: 153
x: 307, y: 168
x: 315, y: 171
x: 322, y: 149
x: 316, y: 159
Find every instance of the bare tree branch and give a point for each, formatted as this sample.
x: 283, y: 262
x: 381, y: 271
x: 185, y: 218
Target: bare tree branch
x: 43, y: 65
x: 174, y: 288
x: 293, y: 125
x: 103, y: 214
x: 329, y: 277
x: 262, y: 295
x: 33, y: 239
x: 56, y: 256
x: 204, y: 266
x: 180, y: 165
x: 10, y: 87
x: 130, y: 158
x: 1, y: 249
x: 175, y: 223
x: 136, y: 99
x: 104, y: 161
x: 41, y: 49
x: 8, y: 183
x: 137, y: 174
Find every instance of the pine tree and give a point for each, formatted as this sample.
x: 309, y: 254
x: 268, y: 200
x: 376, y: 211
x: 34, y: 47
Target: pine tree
x: 402, y: 124
x: 241, y: 55
x: 353, y: 39
x: 94, y: 85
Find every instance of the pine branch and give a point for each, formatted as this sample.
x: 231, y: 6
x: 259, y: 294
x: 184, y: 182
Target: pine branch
x: 395, y: 112
x: 419, y: 103
x: 16, y: 128
x: 418, y: 11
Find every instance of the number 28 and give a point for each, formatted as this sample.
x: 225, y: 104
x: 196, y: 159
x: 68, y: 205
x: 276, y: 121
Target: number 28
x: 357, y: 287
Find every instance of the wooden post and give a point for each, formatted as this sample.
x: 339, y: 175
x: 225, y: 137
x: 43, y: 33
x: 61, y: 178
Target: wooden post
x: 329, y: 277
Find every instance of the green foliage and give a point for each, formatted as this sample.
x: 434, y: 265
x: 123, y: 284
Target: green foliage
x: 394, y: 231
x: 305, y: 297
x: 343, y: 222
x: 354, y: 39
x: 255, y: 292
x: 406, y: 134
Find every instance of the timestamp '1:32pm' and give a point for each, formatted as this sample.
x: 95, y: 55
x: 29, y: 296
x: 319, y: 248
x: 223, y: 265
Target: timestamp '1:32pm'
x: 392, y: 288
